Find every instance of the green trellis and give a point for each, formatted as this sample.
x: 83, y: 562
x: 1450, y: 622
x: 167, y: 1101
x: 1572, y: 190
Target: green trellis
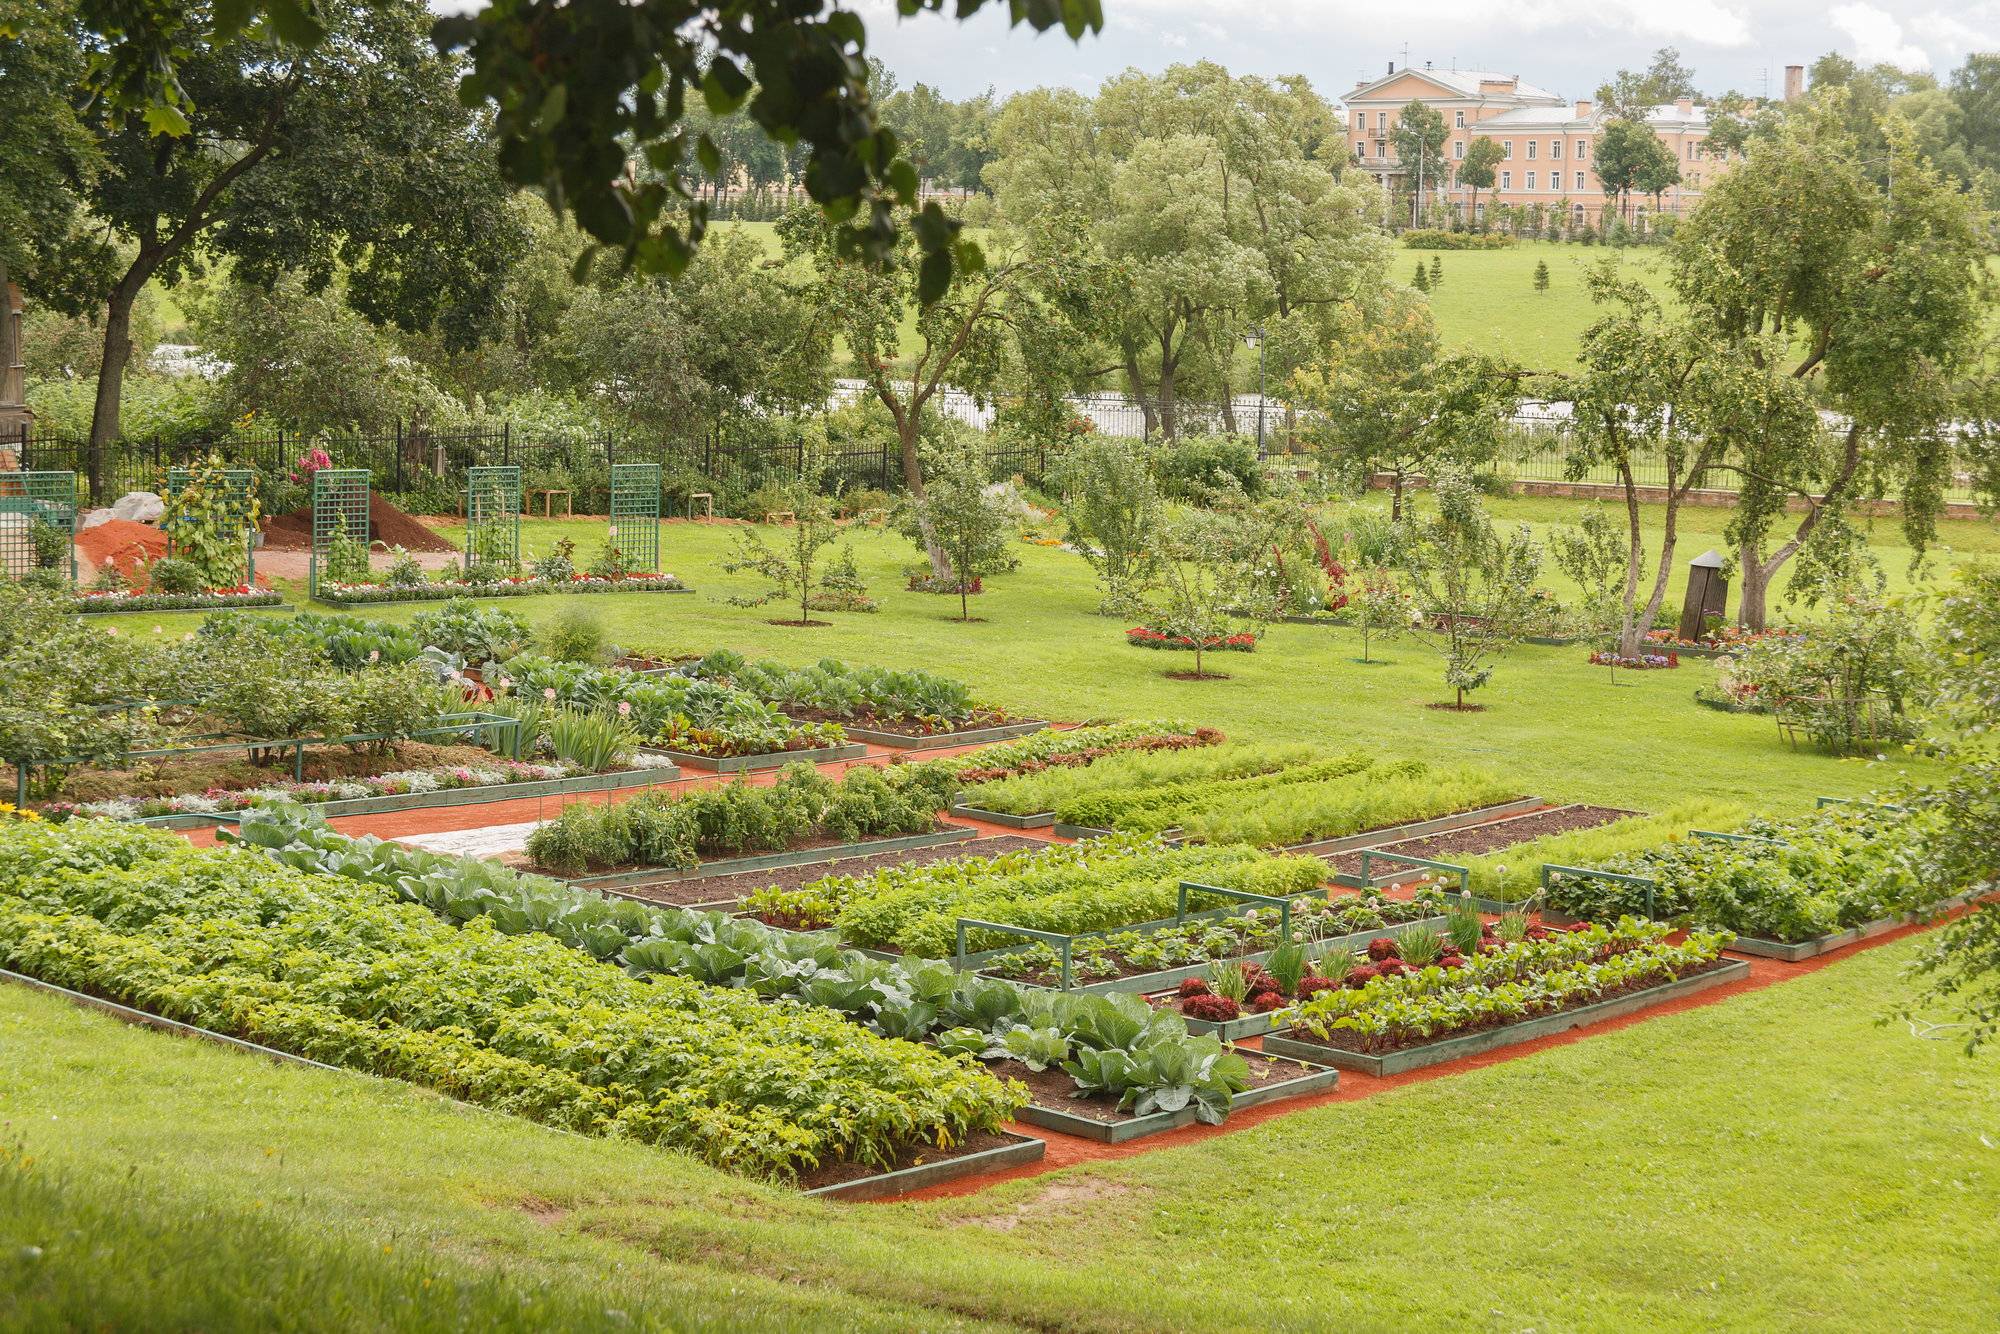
x: 38, y: 523
x: 635, y: 516
x: 239, y: 498
x: 339, y: 525
x: 493, y: 517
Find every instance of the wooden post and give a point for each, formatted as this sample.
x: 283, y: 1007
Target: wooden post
x: 14, y: 414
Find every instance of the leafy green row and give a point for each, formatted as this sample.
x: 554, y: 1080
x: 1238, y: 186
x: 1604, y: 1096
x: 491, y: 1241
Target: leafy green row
x: 1080, y: 887
x: 1078, y: 746
x: 832, y: 687
x: 1055, y: 789
x: 1799, y: 878
x: 1153, y: 810
x: 1378, y: 797
x: 1169, y: 1068
x: 330, y: 967
x: 660, y: 829
x: 1515, y: 874
x: 1518, y: 982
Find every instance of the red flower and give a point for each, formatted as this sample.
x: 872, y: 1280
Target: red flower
x: 1193, y: 986
x: 1383, y: 947
x: 1215, y: 1009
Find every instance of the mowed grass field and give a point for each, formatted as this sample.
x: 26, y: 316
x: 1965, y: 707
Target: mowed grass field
x: 1488, y: 302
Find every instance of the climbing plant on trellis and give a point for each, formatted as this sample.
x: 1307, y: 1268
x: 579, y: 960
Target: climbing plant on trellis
x: 493, y: 518
x: 225, y: 516
x: 635, y: 516
x: 339, y: 527
x: 38, y: 524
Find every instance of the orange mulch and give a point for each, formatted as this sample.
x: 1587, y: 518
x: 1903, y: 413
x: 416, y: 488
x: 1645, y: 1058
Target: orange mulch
x: 120, y: 542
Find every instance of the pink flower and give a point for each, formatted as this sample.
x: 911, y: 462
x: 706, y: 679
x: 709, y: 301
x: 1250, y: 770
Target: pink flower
x: 374, y: 655
x: 624, y: 709
x: 548, y: 692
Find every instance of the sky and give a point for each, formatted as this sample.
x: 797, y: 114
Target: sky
x: 1567, y: 46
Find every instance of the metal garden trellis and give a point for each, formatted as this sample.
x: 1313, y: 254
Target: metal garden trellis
x: 36, y: 508
x: 239, y: 498
x: 339, y: 510
x: 634, y: 530
x: 493, y: 517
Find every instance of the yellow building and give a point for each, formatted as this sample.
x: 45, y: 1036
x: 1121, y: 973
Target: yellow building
x: 1547, y: 143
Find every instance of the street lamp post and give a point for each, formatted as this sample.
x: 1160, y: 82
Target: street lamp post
x: 1255, y: 338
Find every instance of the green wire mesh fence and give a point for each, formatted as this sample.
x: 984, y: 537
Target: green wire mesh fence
x: 38, y: 524
x: 634, y: 531
x: 339, y: 527
x: 493, y: 519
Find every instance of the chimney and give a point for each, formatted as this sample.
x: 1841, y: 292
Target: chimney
x: 1684, y: 106
x: 1795, y: 82
x: 1583, y: 108
x: 1392, y: 67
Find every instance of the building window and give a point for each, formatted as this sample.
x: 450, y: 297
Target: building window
x: 1555, y: 148
x: 1458, y: 119
x: 1506, y: 180
x: 1361, y: 148
x: 1381, y: 121
x: 1690, y: 151
x: 1579, y: 180
x: 1533, y: 144
x: 1458, y: 148
x: 1382, y: 149
x: 1531, y: 176
x: 1582, y: 149
x: 1507, y: 149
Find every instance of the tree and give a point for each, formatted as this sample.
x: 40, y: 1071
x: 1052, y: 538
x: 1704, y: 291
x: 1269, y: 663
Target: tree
x: 1476, y: 169
x: 1381, y: 607
x: 1631, y: 157
x: 350, y: 156
x: 962, y: 335
x: 1417, y: 139
x: 1422, y: 281
x: 789, y: 568
x: 1199, y: 580
x: 1390, y: 399
x: 1437, y: 271
x: 1594, y: 555
x: 1962, y: 964
x: 1872, y: 296
x: 1631, y: 93
x: 1111, y: 506
x: 1473, y: 586
x: 957, y: 517
x: 1541, y: 275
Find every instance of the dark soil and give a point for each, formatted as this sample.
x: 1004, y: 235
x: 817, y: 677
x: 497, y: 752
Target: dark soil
x: 386, y: 524
x: 733, y: 888
x: 1055, y: 1090
x: 802, y: 625
x: 1346, y: 1040
x: 231, y: 770
x: 1383, y: 828
x: 835, y: 1174
x: 1482, y: 838
x: 1197, y: 676
x: 1447, y: 707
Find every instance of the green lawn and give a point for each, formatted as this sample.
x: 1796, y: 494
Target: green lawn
x: 1488, y: 302
x: 1777, y: 1161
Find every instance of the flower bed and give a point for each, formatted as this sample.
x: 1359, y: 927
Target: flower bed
x: 518, y: 1022
x: 353, y: 594
x: 208, y: 599
x: 1644, y: 662
x: 1401, y: 1016
x: 1147, y: 637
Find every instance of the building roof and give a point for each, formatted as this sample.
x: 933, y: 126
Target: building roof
x: 1461, y: 83
x: 1664, y: 116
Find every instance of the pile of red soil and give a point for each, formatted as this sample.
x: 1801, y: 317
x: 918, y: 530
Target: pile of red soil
x: 121, y: 542
x: 386, y: 524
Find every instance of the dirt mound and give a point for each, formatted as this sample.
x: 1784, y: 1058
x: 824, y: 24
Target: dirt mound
x: 121, y: 542
x: 386, y: 524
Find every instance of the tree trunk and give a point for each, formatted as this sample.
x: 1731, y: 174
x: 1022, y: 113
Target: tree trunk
x: 111, y: 380
x: 1396, y: 493
x: 1750, y: 601
x: 1758, y: 574
x: 1168, y: 423
x: 907, y: 424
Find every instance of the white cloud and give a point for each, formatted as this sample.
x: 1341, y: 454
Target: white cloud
x: 1877, y: 37
x: 1971, y: 28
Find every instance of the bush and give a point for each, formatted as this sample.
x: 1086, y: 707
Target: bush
x: 170, y: 574
x: 1199, y: 469
x: 1430, y: 238
x: 575, y: 634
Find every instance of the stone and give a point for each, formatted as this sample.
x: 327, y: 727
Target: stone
x: 139, y: 507
x: 91, y: 518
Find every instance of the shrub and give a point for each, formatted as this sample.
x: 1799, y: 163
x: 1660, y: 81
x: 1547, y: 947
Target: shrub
x: 1200, y: 469
x: 170, y: 574
x: 574, y: 634
x: 1431, y: 238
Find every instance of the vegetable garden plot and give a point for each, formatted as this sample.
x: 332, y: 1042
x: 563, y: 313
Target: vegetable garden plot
x: 883, y: 706
x: 518, y: 1021
x: 1113, y: 1047
x: 1409, y: 1017
x: 1391, y: 861
x: 1788, y: 889
x: 1072, y: 749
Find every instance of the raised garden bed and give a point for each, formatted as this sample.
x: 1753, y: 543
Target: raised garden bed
x: 1368, y: 838
x: 969, y: 736
x: 1042, y: 820
x: 1796, y: 951
x: 625, y: 880
x: 728, y: 890
x: 358, y: 594
x: 921, y: 1167
x: 1470, y: 841
x: 94, y: 604
x: 737, y: 764
x: 1056, y: 1106
x: 1415, y: 1057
